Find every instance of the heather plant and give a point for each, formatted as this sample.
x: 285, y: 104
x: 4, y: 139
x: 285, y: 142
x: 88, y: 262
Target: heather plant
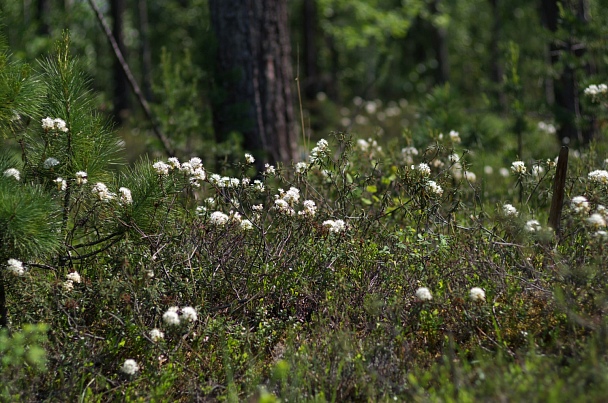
x: 367, y: 271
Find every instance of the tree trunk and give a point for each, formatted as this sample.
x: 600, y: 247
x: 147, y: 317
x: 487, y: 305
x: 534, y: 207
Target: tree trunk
x: 565, y: 88
x: 121, y: 85
x: 254, y: 77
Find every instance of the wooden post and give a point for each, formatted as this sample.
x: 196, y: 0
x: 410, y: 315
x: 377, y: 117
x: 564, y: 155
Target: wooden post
x: 559, y: 184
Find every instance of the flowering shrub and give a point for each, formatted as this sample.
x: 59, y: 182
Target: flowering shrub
x: 169, y: 279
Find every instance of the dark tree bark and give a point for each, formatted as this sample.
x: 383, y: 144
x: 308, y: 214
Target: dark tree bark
x: 254, y: 76
x: 121, y: 84
x: 565, y: 93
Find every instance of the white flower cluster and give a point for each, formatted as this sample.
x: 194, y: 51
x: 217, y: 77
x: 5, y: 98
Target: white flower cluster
x: 321, y: 150
x: 596, y: 221
x: 101, y: 191
x: 15, y: 267
x: 533, y: 226
x: 81, y: 177
x: 335, y: 226
x: 129, y: 367
x: 454, y: 136
x: 12, y: 173
x: 434, y: 188
x: 269, y: 169
x: 546, y: 127
x: 218, y: 219
x: 424, y: 294
x: 71, y: 278
x: 370, y: 145
x: 579, y: 204
x: 193, y: 168
x: 156, y: 335
x: 537, y: 171
x: 509, y: 210
x: 595, y: 91
x: 470, y: 176
x: 54, y: 124
x: 476, y: 294
x: 174, y: 315
x: 125, y: 196
x: 599, y: 176
x: 518, y: 167
x: 50, y: 163
x: 301, y: 167
x: 424, y: 169
x: 61, y: 184
x: 408, y: 154
x: 224, y: 181
x: 249, y: 158
x: 310, y: 209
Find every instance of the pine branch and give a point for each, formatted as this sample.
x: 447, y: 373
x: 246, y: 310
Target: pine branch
x: 134, y: 86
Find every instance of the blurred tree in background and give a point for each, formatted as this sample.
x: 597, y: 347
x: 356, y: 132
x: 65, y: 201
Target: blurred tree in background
x: 416, y: 57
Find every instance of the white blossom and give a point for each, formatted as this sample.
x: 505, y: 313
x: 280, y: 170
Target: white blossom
x: 171, y: 317
x: 518, y: 167
x: 218, y: 218
x: 174, y: 163
x: 269, y: 169
x: 61, y: 184
x: 74, y: 276
x: 310, y: 209
x: 125, y: 196
x: 12, y: 172
x: 156, y: 335
x: 335, y: 226
x: 50, y: 163
x: 283, y: 207
x: 81, y: 177
x: 301, y: 167
x: 477, y: 294
x: 68, y: 285
x: 101, y: 191
x: 161, y: 168
x: 187, y: 168
x: 129, y: 367
x: 246, y: 225
x: 596, y: 220
x: 470, y: 176
x: 195, y: 162
x: 598, y: 176
x: 509, y: 210
x: 249, y: 158
x: 423, y: 294
x: 434, y: 187
x: 424, y: 169
x: 454, y: 136
x: 15, y: 267
x: 532, y: 226
x: 60, y: 125
x: 579, y: 204
x: 48, y: 123
x: 189, y: 314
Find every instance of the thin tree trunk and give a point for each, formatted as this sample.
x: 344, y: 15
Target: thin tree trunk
x: 121, y: 85
x: 254, y: 77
